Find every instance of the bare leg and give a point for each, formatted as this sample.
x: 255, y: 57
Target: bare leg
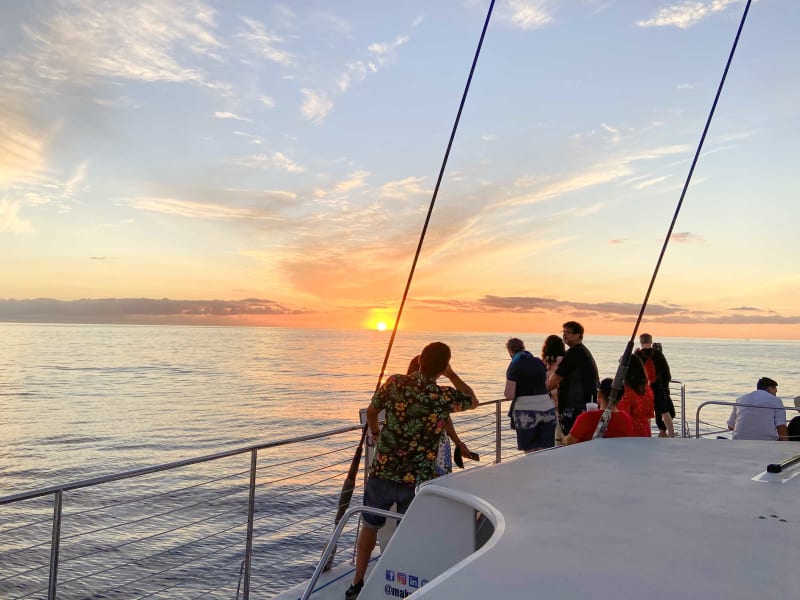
x: 364, y: 547
x: 668, y: 422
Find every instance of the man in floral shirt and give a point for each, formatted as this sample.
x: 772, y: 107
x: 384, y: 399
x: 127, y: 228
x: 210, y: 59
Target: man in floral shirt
x: 416, y: 411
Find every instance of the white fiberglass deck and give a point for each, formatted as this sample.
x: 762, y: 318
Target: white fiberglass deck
x: 621, y: 518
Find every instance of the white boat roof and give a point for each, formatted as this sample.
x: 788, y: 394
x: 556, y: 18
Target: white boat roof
x: 627, y: 519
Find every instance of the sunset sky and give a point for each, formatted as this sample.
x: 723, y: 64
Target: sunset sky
x: 267, y: 163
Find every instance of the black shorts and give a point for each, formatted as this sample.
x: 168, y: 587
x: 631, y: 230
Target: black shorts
x: 382, y: 493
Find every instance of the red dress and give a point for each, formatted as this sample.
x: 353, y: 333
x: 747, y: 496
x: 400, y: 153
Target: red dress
x: 640, y: 407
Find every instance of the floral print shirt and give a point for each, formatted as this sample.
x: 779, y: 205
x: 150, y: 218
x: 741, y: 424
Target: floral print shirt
x: 416, y: 411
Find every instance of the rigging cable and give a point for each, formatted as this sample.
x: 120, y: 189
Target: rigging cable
x: 349, y: 484
x: 625, y: 360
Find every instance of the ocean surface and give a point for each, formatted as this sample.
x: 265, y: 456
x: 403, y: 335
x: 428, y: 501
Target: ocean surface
x: 78, y: 401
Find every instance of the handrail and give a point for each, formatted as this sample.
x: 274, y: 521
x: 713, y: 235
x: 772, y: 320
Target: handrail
x: 477, y: 429
x: 337, y: 532
x: 721, y: 403
x: 684, y: 422
x: 74, y: 485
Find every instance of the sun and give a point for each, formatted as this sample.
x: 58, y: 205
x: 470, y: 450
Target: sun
x: 381, y: 326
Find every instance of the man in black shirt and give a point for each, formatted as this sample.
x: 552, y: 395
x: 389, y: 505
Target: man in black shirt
x: 657, y: 368
x: 576, y: 377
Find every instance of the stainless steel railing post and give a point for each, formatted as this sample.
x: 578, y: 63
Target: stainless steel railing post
x: 498, y: 450
x: 51, y: 587
x: 251, y: 510
x: 684, y: 420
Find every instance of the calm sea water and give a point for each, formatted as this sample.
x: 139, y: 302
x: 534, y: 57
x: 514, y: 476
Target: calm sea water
x: 85, y: 400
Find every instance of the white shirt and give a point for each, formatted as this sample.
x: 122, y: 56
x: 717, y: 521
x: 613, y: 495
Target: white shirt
x: 751, y: 423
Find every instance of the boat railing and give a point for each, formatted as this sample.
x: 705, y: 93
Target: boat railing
x: 214, y: 526
x: 684, y: 422
x: 334, y: 539
x: 718, y: 431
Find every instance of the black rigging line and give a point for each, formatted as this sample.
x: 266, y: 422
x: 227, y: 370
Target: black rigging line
x: 625, y: 360
x: 349, y: 483
x: 435, y: 194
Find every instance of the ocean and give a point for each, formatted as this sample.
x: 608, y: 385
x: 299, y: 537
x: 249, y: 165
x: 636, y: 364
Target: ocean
x: 82, y: 401
x: 79, y: 401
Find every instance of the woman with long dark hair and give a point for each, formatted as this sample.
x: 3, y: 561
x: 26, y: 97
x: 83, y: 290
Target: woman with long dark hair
x: 637, y: 399
x: 553, y: 351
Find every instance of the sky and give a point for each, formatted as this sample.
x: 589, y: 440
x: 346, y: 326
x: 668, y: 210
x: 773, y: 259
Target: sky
x: 272, y: 163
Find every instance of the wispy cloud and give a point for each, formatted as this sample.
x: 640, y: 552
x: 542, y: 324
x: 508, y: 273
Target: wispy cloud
x: 356, y: 179
x: 275, y: 160
x: 541, y: 189
x: 686, y: 14
x: 649, y: 181
x: 232, y: 116
x: 88, y: 39
x: 264, y: 43
x: 10, y: 221
x: 527, y: 14
x: 21, y: 148
x: 247, y: 205
x: 404, y: 189
x: 686, y: 237
x: 59, y: 193
x: 316, y: 105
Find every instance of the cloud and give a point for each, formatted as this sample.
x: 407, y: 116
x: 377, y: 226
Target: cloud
x: 657, y: 313
x: 403, y: 189
x: 265, y: 205
x: 58, y: 193
x: 230, y: 115
x: 686, y: 237
x: 132, y: 310
x: 22, y: 148
x: 647, y: 182
x: 356, y: 180
x: 527, y: 14
x: 316, y: 105
x: 264, y: 43
x: 276, y: 160
x: 10, y: 221
x: 81, y: 41
x: 541, y: 189
x: 686, y: 14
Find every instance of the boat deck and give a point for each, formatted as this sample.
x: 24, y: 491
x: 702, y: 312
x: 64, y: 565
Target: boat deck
x: 619, y: 518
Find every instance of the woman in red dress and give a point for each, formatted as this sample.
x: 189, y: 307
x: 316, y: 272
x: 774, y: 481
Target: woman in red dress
x: 637, y: 399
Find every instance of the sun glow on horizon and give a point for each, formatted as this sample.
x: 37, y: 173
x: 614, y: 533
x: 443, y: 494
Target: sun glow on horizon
x: 380, y: 326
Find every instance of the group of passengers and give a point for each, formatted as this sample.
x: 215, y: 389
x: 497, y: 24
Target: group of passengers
x: 557, y: 399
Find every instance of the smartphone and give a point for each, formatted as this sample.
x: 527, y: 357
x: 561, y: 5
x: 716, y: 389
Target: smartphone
x: 474, y: 456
